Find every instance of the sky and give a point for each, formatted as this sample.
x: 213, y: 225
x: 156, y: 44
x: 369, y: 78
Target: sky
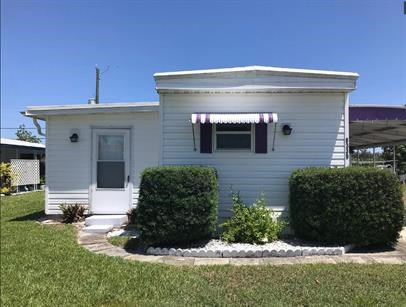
x: 49, y: 48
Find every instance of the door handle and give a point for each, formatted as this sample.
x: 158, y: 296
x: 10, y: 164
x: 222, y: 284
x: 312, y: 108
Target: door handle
x: 128, y: 180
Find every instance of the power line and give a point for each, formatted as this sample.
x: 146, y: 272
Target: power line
x: 10, y: 128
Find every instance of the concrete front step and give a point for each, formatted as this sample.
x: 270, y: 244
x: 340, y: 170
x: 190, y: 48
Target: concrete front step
x: 98, y: 228
x: 115, y: 220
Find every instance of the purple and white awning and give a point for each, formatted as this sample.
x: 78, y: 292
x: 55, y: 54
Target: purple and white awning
x: 234, y: 118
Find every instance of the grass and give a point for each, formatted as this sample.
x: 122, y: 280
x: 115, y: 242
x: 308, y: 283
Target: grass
x: 44, y: 266
x: 118, y: 241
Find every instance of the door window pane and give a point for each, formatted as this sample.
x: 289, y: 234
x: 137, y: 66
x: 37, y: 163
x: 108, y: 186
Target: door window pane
x: 110, y: 174
x: 111, y: 147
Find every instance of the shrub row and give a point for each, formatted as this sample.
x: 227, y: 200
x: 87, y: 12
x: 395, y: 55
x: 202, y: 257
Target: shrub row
x: 348, y: 206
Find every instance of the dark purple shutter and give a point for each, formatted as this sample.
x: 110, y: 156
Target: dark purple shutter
x: 261, y: 136
x: 206, y: 138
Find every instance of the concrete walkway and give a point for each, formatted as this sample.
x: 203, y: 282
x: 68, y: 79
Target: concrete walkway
x: 98, y: 244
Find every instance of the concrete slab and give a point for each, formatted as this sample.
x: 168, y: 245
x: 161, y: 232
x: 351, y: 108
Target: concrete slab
x: 98, y: 228
x: 97, y: 247
x: 246, y: 261
x: 144, y: 258
x: 212, y: 261
x: 178, y: 260
x: 114, y: 252
x: 388, y: 260
x: 116, y: 220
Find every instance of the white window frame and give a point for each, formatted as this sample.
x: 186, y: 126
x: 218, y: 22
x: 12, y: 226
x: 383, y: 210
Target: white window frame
x: 251, y: 133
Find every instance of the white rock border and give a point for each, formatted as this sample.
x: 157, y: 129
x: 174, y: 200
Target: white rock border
x: 250, y: 253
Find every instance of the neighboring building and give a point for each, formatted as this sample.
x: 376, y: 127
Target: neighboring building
x: 15, y: 149
x: 253, y: 124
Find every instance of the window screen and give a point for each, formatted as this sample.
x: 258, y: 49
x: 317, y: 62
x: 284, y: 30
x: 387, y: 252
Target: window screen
x: 233, y: 136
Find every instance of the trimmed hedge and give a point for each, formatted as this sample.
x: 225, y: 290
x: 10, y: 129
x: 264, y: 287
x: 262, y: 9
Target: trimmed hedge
x: 177, y: 204
x: 351, y: 205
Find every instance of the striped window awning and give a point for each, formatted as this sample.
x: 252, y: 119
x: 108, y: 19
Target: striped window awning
x: 234, y: 118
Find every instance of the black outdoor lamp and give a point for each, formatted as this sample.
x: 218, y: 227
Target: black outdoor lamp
x: 74, y: 138
x: 287, y: 129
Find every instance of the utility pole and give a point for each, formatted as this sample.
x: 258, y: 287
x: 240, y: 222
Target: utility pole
x: 97, y: 83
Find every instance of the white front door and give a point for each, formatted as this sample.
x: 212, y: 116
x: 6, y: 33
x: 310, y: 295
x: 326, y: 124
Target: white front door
x: 111, y: 182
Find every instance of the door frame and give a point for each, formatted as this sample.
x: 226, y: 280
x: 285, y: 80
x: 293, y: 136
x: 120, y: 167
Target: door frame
x: 92, y: 177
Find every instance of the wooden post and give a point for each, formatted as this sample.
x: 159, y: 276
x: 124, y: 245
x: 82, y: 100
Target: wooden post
x: 357, y: 156
x: 97, y: 84
x: 373, y: 153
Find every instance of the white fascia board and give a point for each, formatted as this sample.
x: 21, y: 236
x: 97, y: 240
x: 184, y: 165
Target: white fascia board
x: 42, y: 111
x: 253, y: 89
x: 394, y: 106
x: 266, y: 69
x: 256, y: 80
x: 20, y: 143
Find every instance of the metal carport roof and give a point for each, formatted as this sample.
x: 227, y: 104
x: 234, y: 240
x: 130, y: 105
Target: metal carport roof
x: 377, y: 125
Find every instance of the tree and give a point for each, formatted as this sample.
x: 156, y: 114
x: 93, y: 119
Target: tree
x: 23, y: 134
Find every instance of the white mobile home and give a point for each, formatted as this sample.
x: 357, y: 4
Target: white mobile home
x: 253, y: 124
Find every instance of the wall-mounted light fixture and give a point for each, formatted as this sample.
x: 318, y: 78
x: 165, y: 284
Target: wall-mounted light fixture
x: 287, y: 129
x: 74, y: 138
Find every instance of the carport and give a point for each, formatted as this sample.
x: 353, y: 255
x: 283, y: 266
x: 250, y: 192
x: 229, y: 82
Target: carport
x: 374, y: 126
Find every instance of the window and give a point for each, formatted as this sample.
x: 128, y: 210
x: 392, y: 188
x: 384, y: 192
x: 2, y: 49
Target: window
x: 233, y: 136
x: 110, y: 161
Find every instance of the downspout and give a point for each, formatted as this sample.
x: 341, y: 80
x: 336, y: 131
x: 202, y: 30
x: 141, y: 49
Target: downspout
x: 37, y: 125
x: 347, y: 131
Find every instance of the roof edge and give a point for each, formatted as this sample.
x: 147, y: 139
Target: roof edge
x: 41, y: 112
x: 394, y: 106
x: 12, y: 142
x: 255, y: 68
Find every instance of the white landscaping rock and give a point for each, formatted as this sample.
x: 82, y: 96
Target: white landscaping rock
x: 213, y: 253
x: 187, y: 253
x: 221, y: 249
x: 179, y: 252
x: 151, y: 251
x: 164, y: 251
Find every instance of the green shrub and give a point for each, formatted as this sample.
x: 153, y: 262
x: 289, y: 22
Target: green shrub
x: 6, y: 178
x: 72, y: 213
x: 177, y: 204
x: 255, y: 224
x: 351, y: 205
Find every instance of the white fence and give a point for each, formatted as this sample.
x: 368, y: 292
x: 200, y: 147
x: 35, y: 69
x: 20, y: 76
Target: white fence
x: 26, y: 172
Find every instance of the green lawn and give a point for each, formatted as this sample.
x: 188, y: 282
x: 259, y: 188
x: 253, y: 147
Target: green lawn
x: 43, y: 265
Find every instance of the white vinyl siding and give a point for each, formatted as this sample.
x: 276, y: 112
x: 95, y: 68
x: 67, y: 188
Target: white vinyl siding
x: 317, y: 140
x: 68, y: 165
